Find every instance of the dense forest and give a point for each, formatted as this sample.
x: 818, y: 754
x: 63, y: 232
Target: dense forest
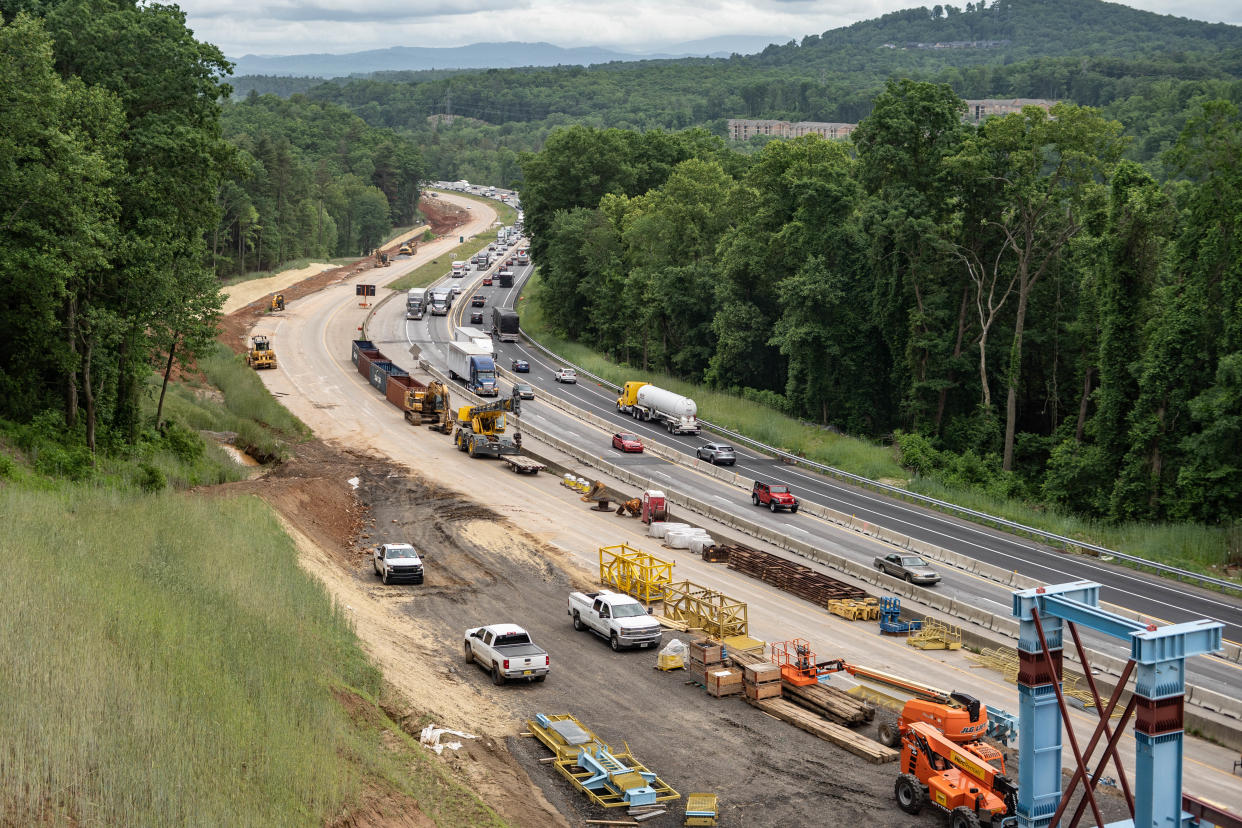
x: 1026, y: 310
x: 1145, y: 70
x: 308, y: 179
x: 111, y: 160
x: 129, y: 183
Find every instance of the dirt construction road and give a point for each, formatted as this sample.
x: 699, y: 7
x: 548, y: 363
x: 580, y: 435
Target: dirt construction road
x: 506, y: 548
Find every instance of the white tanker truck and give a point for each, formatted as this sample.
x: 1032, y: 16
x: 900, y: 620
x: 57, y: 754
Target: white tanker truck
x: 644, y: 401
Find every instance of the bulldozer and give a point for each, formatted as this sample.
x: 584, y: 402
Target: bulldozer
x: 278, y: 302
x: 481, y: 429
x: 261, y: 354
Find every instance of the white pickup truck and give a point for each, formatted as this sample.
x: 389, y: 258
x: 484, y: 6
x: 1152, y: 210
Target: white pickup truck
x: 622, y: 620
x: 506, y: 651
x: 398, y: 562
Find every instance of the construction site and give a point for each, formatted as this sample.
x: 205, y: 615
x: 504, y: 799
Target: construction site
x: 781, y: 693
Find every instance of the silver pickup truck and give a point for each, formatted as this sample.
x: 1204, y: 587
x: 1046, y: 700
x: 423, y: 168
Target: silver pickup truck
x: 614, y: 616
x: 507, y: 652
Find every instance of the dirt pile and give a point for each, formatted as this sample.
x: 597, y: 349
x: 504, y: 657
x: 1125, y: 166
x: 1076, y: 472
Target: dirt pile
x: 442, y: 216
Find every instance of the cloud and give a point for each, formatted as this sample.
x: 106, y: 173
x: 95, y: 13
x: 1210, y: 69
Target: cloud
x: 242, y: 27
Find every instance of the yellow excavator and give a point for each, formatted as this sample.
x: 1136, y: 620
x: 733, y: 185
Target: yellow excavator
x: 381, y: 259
x: 278, y: 302
x: 482, y: 429
x: 261, y: 354
x: 429, y: 404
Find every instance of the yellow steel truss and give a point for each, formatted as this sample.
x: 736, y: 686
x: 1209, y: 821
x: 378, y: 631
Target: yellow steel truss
x: 633, y: 572
x: 704, y: 609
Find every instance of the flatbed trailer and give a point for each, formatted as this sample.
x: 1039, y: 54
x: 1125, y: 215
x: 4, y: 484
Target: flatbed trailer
x: 522, y: 465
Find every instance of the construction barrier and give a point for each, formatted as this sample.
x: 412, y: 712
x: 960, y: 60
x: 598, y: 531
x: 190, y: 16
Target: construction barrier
x: 634, y: 572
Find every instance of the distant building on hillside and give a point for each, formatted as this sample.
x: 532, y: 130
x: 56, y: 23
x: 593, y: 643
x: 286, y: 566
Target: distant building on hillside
x: 977, y: 110
x: 741, y: 129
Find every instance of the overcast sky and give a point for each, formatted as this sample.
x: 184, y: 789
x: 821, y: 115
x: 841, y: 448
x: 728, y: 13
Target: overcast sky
x: 287, y: 27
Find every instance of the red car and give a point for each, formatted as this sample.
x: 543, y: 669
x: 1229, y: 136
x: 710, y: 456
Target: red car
x: 627, y: 442
x: 487, y: 280
x: 773, y: 495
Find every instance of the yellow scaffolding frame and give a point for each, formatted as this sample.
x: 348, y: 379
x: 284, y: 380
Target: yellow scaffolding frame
x: 634, y: 572
x: 704, y: 609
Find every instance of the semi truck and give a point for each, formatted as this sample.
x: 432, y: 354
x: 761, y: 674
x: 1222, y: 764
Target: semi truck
x: 505, y: 325
x: 415, y: 303
x: 476, y: 336
x: 441, y: 299
x: 644, y: 401
x: 473, y: 366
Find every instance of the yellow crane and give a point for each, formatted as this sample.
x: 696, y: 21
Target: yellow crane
x: 482, y: 430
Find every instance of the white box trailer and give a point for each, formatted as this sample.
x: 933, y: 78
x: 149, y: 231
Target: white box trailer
x: 475, y: 336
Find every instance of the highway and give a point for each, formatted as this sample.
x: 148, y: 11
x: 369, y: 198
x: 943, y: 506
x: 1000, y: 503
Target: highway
x: 1158, y: 599
x: 319, y: 384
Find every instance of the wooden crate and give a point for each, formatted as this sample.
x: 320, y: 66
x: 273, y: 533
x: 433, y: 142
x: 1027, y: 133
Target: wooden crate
x: 762, y: 673
x: 770, y: 690
x: 706, y: 652
x: 723, y: 682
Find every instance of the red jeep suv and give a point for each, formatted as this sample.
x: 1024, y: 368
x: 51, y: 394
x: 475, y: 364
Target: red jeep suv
x: 774, y: 496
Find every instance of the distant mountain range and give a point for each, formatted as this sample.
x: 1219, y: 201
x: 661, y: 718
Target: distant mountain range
x: 482, y: 56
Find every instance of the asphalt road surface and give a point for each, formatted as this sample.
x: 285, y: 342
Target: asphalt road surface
x: 1156, y: 598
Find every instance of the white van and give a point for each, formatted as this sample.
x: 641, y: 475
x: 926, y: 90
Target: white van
x: 459, y: 268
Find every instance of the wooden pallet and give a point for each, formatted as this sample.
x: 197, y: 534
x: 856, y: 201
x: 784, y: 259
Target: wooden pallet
x: 791, y: 577
x: 843, y: 737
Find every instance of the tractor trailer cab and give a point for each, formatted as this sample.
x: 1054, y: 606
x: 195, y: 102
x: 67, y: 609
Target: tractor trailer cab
x: 415, y: 303
x: 473, y: 366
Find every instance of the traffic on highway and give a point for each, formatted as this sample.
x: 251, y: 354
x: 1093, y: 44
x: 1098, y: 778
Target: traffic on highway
x: 542, y: 375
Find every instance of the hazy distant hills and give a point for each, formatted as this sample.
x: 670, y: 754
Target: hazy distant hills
x: 480, y: 56
x: 1005, y: 30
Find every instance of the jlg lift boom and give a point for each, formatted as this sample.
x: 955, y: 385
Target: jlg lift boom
x: 952, y: 777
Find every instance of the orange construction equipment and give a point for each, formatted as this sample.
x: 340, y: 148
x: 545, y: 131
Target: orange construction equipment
x: 797, y: 662
x: 953, y: 777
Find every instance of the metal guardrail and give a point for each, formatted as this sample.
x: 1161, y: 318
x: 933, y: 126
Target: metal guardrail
x: 1048, y: 538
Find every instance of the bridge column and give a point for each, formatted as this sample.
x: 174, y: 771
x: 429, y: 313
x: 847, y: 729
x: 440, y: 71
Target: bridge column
x: 1159, y: 689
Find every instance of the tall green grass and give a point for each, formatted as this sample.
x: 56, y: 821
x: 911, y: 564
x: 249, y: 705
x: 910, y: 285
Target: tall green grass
x: 168, y: 663
x: 1193, y: 547
x: 243, y: 405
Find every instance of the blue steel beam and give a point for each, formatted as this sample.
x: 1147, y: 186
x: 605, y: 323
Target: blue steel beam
x: 1091, y: 617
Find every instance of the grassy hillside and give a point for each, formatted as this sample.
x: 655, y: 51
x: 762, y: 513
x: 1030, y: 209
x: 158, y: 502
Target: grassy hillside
x: 167, y: 662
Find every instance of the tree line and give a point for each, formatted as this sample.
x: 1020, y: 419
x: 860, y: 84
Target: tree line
x: 1016, y: 304
x: 110, y: 164
x: 308, y: 179
x: 129, y: 183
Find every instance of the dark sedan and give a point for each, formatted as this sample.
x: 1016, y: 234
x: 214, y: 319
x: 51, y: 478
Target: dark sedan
x: 521, y: 366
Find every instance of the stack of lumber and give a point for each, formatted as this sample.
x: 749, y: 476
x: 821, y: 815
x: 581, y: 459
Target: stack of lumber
x: 803, y: 719
x: 793, y: 578
x: 832, y: 703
